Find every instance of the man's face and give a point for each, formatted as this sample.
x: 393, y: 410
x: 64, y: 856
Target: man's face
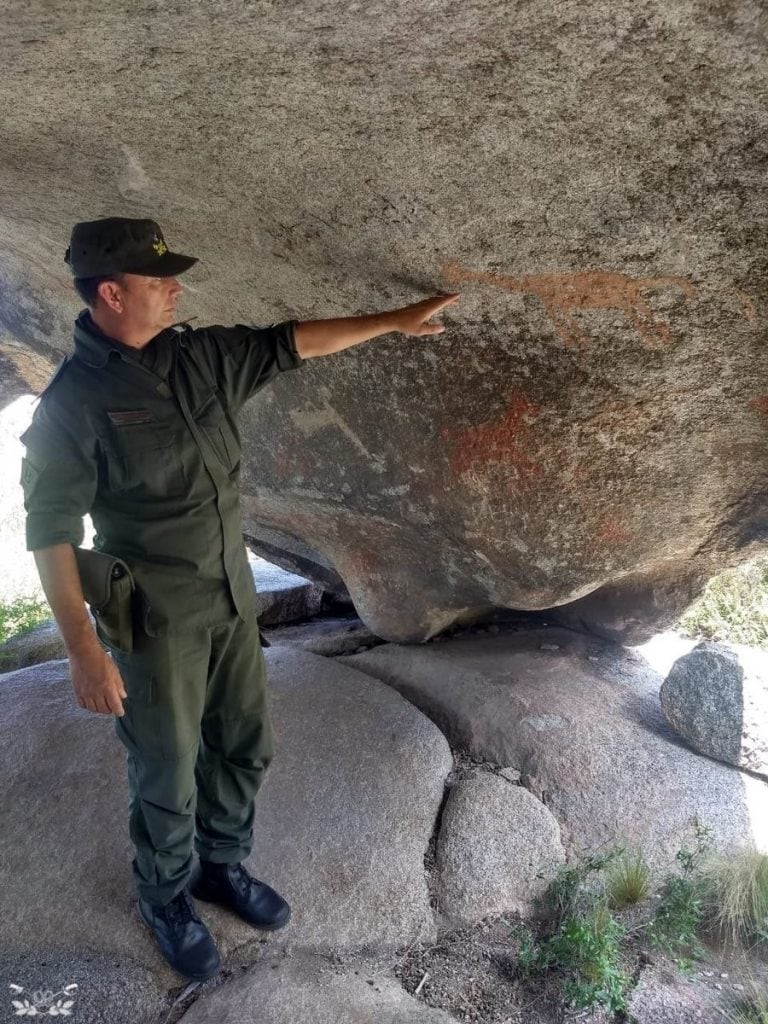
x: 149, y: 303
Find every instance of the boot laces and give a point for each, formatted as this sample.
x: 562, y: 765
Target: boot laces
x: 180, y: 911
x: 242, y: 879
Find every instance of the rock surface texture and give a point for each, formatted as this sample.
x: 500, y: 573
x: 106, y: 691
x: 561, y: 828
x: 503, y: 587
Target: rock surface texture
x: 716, y: 698
x: 582, y: 723
x: 664, y: 997
x: 497, y: 849
x: 307, y: 991
x: 590, y: 431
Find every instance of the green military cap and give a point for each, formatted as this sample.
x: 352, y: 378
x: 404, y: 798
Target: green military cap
x: 125, y: 245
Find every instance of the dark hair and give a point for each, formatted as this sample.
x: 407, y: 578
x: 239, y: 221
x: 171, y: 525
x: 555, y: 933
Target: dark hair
x: 87, y: 287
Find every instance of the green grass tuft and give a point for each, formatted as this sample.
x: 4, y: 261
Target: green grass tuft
x: 628, y: 880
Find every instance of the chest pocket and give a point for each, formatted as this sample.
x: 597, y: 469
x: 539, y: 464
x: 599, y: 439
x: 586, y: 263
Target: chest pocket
x: 218, y: 431
x: 145, y: 460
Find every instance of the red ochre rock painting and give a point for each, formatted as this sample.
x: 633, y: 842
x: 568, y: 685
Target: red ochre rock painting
x: 563, y: 294
x: 611, y: 534
x: 500, y: 441
x: 360, y: 564
x: 748, y: 305
x: 760, y: 404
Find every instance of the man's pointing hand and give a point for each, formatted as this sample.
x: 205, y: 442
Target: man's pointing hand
x: 323, y: 337
x: 413, y: 319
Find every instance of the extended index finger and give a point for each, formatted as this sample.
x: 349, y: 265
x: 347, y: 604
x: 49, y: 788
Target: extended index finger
x: 441, y: 301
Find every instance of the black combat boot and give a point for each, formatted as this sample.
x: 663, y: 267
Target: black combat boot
x: 232, y: 886
x: 184, y: 940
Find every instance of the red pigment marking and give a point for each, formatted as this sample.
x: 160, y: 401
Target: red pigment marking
x: 611, y: 532
x: 499, y: 441
x: 365, y: 561
x: 360, y: 565
x: 760, y: 404
x: 564, y: 294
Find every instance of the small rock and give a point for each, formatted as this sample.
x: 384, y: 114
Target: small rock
x: 497, y: 849
x: 549, y: 647
x: 510, y: 774
x: 716, y: 698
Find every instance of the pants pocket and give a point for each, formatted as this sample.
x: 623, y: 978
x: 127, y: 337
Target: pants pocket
x: 158, y: 723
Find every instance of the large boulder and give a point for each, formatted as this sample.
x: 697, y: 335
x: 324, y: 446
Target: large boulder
x: 590, y: 431
x: 343, y: 822
x: 581, y: 721
x: 716, y: 698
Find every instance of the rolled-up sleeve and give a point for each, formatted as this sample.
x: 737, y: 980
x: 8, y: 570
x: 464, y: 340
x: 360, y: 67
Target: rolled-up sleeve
x: 59, y: 477
x: 250, y: 357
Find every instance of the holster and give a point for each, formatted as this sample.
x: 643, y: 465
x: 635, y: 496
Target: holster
x: 108, y: 587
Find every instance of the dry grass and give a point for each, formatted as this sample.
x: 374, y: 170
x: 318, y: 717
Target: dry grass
x: 733, y: 607
x: 753, y: 1010
x: 736, y: 886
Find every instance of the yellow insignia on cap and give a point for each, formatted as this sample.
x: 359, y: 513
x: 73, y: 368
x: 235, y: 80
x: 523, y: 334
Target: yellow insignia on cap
x: 160, y: 247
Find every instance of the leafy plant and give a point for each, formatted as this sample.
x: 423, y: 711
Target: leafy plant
x: 584, y: 941
x: 628, y: 880
x: 585, y: 946
x: 570, y: 889
x: 681, y: 910
x: 20, y: 614
x: 587, y: 950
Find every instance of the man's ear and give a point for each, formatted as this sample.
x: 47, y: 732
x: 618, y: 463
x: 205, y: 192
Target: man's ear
x: 109, y: 293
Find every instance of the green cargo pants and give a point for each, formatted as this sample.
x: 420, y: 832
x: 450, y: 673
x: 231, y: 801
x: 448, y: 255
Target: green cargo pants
x: 197, y: 733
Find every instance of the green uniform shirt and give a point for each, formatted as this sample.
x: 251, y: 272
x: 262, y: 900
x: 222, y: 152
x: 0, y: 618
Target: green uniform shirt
x: 146, y: 441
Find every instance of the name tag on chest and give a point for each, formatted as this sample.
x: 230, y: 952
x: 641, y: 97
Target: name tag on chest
x: 128, y: 417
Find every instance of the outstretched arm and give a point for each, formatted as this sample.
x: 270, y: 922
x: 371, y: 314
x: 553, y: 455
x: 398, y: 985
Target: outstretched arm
x: 323, y: 337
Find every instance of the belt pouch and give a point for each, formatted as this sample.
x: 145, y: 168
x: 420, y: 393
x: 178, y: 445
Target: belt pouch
x: 108, y: 588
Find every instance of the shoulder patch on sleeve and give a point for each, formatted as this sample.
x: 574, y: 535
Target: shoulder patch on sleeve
x: 32, y: 466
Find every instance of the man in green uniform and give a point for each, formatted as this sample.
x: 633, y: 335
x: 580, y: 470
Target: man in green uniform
x: 138, y: 427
